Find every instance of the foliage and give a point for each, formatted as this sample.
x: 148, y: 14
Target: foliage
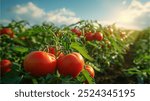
x: 105, y: 56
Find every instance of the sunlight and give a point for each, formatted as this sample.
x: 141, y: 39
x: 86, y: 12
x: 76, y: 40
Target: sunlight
x: 125, y: 17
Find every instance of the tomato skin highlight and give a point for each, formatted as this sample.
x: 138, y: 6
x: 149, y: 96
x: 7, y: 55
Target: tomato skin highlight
x: 90, y: 70
x: 89, y: 36
x: 71, y: 64
x: 5, y: 66
x: 76, y: 31
x: 39, y: 63
x: 98, y: 36
x: 7, y: 31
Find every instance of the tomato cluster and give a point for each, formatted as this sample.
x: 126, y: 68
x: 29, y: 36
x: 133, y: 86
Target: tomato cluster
x: 39, y: 63
x: 89, y: 36
x: 76, y: 31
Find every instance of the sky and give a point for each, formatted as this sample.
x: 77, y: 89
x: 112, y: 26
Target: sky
x: 131, y: 14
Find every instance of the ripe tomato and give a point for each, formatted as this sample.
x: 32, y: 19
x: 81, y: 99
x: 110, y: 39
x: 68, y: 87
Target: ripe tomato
x: 7, y: 31
x: 71, y: 64
x: 76, y: 31
x: 52, y: 50
x: 5, y: 66
x: 89, y: 36
x: 90, y: 70
x: 39, y: 63
x: 98, y: 36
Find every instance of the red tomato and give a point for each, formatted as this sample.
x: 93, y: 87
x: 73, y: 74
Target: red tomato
x: 39, y: 63
x: 76, y: 31
x: 98, y: 36
x: 52, y: 50
x: 71, y: 64
x: 5, y: 66
x: 7, y: 31
x: 90, y: 70
x: 89, y: 36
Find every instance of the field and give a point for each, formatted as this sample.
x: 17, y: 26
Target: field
x: 103, y: 54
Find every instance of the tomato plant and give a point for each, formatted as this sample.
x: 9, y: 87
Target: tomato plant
x: 47, y: 53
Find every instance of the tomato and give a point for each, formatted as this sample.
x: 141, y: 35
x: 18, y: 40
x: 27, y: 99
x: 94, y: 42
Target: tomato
x: 98, y: 36
x: 71, y: 64
x: 39, y: 63
x: 89, y: 36
x: 52, y: 50
x: 5, y: 66
x: 7, y: 31
x: 76, y: 31
x: 90, y: 70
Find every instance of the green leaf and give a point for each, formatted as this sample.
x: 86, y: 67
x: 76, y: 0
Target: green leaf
x: 19, y: 42
x: 20, y: 49
x: 11, y: 77
x: 95, y: 67
x: 34, y: 81
x: 88, y: 77
x: 94, y: 45
x: 81, y: 49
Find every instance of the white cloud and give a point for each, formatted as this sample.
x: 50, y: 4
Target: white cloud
x: 4, y: 21
x: 124, y: 2
x: 35, y: 14
x: 136, y: 15
x: 29, y: 9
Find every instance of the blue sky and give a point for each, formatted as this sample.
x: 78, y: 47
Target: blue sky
x: 132, y: 14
